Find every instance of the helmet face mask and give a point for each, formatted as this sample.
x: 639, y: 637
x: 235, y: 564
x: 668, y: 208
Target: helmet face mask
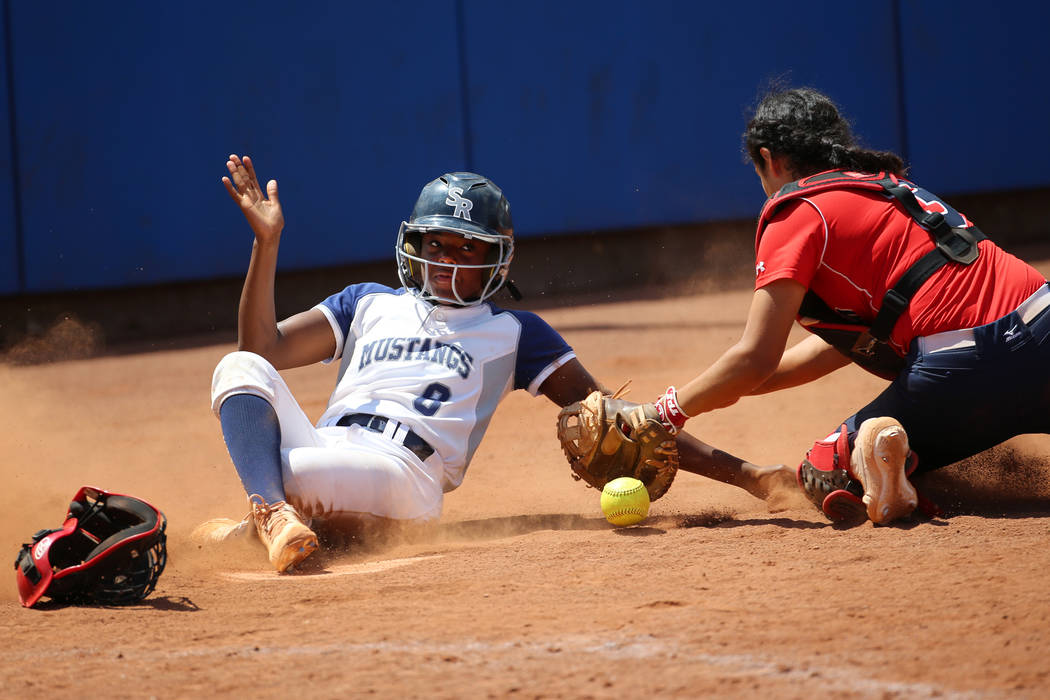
x: 110, y: 550
x: 416, y: 271
x: 467, y: 205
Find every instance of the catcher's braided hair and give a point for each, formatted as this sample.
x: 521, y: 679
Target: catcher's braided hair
x: 805, y: 127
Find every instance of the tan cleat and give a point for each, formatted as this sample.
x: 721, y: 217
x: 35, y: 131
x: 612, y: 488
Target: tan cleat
x: 283, y: 531
x: 880, y: 454
x: 218, y: 530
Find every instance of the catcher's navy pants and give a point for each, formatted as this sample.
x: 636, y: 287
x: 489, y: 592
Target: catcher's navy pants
x: 965, y: 391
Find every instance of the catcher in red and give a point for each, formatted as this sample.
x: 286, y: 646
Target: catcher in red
x: 886, y: 275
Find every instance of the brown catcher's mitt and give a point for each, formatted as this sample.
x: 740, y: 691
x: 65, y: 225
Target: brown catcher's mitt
x: 605, y: 437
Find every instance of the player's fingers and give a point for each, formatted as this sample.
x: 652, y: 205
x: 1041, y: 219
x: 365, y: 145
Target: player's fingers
x: 231, y: 190
x: 251, y: 170
x: 271, y: 191
x: 240, y: 182
x: 237, y: 174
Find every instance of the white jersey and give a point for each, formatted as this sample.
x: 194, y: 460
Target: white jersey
x: 441, y: 370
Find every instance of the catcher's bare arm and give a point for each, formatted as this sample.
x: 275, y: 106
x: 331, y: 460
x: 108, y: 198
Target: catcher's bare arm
x: 748, y: 364
x: 806, y: 361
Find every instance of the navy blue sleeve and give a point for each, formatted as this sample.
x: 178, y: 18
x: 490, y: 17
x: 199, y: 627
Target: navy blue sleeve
x: 538, y: 347
x: 342, y: 304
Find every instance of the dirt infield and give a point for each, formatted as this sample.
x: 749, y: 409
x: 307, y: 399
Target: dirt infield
x: 524, y: 590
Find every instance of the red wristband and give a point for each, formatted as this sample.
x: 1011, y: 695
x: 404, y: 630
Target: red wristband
x: 671, y: 413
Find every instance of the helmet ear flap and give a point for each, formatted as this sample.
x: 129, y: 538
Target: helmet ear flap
x: 410, y: 269
x: 499, y: 256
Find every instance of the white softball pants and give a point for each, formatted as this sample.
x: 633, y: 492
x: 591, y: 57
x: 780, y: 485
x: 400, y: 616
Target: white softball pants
x: 334, y: 471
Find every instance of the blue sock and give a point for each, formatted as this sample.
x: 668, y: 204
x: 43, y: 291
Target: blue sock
x: 253, y: 438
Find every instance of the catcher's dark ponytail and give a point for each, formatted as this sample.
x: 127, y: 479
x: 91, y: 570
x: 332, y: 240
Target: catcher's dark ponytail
x: 805, y: 127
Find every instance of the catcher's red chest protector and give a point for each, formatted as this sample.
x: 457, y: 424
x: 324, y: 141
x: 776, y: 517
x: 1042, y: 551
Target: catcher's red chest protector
x: 868, y: 345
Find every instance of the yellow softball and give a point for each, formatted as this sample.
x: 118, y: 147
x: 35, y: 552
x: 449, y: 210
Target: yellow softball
x: 625, y: 501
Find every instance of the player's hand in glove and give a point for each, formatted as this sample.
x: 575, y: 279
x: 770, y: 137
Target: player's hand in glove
x: 605, y: 437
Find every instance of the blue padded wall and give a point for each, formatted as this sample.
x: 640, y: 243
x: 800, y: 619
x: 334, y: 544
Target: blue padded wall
x: 632, y: 115
x: 10, y: 255
x: 123, y: 152
x: 978, y: 95
x: 591, y: 115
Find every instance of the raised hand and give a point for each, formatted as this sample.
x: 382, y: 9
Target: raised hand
x: 263, y: 211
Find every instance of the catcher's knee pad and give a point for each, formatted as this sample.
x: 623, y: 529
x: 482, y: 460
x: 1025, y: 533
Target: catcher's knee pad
x: 825, y: 478
x: 242, y: 372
